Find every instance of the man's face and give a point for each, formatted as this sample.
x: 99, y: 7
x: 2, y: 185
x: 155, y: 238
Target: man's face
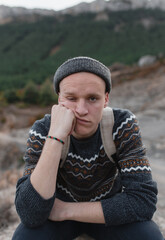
x: 84, y: 93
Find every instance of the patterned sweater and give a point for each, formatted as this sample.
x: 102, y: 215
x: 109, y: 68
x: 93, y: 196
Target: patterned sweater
x: 125, y: 188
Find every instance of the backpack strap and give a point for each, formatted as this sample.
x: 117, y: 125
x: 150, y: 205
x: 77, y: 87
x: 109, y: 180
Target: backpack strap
x: 106, y: 128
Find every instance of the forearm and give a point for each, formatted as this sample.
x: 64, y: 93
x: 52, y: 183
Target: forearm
x: 90, y: 212
x: 44, y: 175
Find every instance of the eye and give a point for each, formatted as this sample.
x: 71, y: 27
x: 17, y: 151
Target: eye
x: 92, y: 99
x: 71, y: 98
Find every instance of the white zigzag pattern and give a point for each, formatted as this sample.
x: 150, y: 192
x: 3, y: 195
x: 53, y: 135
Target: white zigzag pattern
x: 127, y: 129
x: 64, y: 189
x: 33, y: 141
x: 92, y: 200
x: 102, y: 195
x: 135, y: 134
x: 37, y: 134
x: 136, y: 168
x: 34, y: 150
x: 82, y: 159
x: 120, y: 127
x: 85, y: 159
x: 84, y: 166
x: 80, y: 174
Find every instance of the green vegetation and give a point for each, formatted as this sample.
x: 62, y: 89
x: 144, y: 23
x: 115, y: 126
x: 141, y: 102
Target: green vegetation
x: 31, y: 52
x: 32, y: 94
x: 11, y: 95
x: 47, y: 95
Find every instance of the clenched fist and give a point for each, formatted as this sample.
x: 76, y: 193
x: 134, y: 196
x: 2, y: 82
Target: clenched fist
x: 62, y: 122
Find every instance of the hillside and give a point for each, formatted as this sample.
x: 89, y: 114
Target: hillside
x: 34, y: 50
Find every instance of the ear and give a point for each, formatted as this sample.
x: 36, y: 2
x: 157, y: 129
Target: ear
x: 106, y: 99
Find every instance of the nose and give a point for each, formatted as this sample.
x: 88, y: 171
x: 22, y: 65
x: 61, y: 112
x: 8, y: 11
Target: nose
x: 81, y: 108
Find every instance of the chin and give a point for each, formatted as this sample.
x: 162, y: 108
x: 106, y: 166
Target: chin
x: 81, y: 134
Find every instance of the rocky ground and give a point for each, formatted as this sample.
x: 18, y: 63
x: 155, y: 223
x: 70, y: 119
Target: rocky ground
x: 143, y: 93
x: 139, y: 89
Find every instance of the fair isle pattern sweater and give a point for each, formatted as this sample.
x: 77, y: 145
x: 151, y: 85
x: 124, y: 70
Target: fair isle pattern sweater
x: 125, y: 188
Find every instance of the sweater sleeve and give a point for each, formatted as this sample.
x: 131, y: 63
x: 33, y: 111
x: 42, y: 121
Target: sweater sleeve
x: 33, y: 209
x: 137, y: 201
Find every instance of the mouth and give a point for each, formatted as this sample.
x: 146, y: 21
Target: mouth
x: 82, y: 121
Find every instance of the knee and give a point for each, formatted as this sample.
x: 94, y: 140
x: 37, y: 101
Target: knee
x: 19, y: 233
x: 22, y: 232
x: 147, y: 230
x: 139, y: 231
x: 152, y: 231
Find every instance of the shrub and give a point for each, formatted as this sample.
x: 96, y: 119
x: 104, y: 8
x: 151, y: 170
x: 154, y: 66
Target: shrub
x: 47, y: 95
x: 31, y: 93
x: 11, y: 95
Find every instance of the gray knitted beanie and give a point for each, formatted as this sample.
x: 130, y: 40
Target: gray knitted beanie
x: 82, y: 64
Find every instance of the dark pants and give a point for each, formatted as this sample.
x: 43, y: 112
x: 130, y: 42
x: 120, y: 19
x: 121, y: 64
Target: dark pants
x: 68, y: 230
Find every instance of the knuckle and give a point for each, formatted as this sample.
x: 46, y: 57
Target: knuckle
x: 54, y: 107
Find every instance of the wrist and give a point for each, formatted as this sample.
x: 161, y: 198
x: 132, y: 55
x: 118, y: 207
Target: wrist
x: 56, y: 139
x: 57, y: 135
x: 70, y: 211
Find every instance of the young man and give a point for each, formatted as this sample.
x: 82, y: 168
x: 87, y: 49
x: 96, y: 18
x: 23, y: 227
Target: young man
x: 86, y: 192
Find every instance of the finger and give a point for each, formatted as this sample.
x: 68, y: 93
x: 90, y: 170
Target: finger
x: 64, y: 104
x: 61, y: 104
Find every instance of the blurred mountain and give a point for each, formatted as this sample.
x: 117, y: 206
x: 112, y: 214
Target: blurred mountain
x: 32, y: 51
x: 114, y: 5
x: 8, y: 14
x: 34, y: 42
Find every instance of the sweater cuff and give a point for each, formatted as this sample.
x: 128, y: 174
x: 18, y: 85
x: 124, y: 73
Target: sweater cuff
x: 115, y: 211
x: 29, y: 194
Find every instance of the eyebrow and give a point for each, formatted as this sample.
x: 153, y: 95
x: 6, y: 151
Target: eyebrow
x: 88, y: 95
x: 69, y: 93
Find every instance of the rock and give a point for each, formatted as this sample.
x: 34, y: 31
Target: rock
x: 3, y: 183
x: 8, y: 213
x: 147, y: 23
x: 9, y: 178
x: 117, y: 67
x: 146, y: 60
x: 11, y: 151
x: 12, y: 148
x: 102, y: 16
